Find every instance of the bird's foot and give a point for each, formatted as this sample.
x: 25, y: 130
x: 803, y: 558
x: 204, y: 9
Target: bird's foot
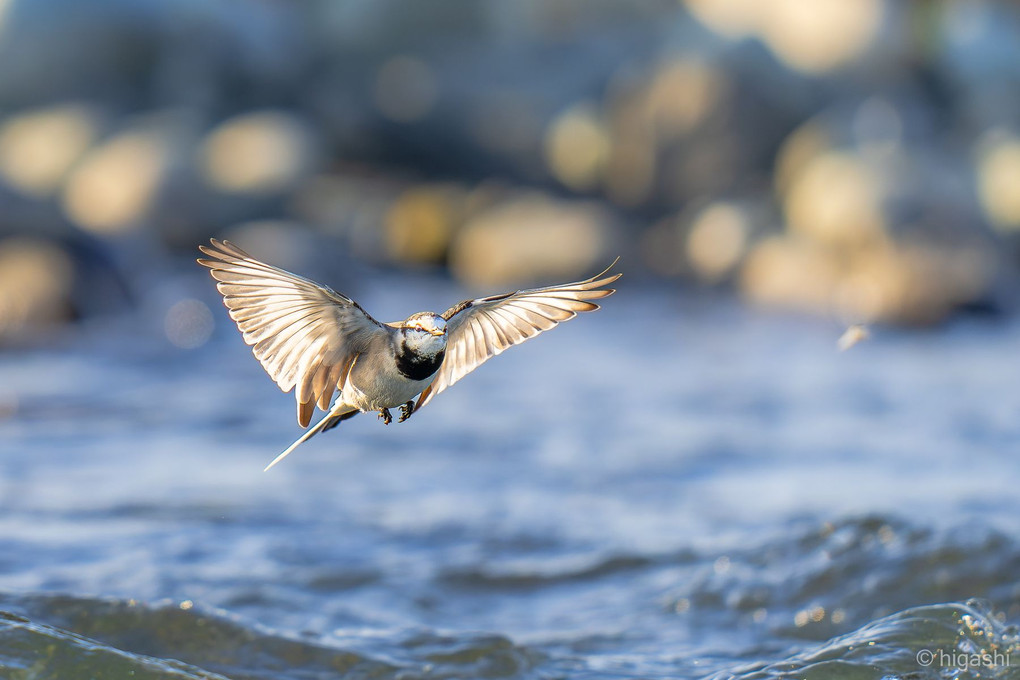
x: 384, y: 413
x: 406, y: 410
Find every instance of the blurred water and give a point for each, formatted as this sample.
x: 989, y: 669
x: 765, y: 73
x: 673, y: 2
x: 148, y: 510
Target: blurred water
x: 672, y: 487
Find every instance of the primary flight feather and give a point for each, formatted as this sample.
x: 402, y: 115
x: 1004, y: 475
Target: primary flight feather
x: 316, y: 341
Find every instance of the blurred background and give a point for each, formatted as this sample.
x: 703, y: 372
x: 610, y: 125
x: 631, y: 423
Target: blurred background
x: 692, y: 482
x: 859, y: 160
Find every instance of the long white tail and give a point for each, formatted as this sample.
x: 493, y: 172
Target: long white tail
x: 327, y: 421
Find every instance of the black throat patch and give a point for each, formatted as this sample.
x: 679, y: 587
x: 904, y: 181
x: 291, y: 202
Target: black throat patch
x: 417, y: 366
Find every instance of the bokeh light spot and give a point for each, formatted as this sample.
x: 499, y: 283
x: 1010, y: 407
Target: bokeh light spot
x: 864, y: 292
x: 789, y: 273
x: 682, y: 94
x: 999, y: 181
x: 260, y: 152
x: 35, y: 284
x: 188, y: 323
x: 38, y: 148
x: 576, y: 147
x: 420, y: 223
x: 813, y: 37
x: 804, y: 144
x: 114, y: 186
x: 835, y: 200
x: 528, y: 238
x: 820, y: 35
x: 717, y: 240
x: 731, y: 18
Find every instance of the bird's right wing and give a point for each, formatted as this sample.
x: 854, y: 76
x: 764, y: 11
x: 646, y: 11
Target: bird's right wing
x: 305, y: 335
x: 480, y: 329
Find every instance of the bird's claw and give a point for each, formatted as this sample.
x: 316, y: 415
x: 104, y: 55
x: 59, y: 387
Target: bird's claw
x: 384, y: 413
x: 405, y: 411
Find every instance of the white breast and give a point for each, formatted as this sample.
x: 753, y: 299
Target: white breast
x: 377, y: 383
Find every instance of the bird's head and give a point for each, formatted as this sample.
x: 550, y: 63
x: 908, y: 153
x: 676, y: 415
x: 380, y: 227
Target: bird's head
x: 424, y: 334
x: 426, y: 322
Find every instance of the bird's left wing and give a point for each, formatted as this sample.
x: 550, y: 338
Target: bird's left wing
x: 305, y: 335
x: 480, y: 329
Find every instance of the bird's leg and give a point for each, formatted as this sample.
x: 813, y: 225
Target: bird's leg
x: 384, y: 413
x: 406, y: 410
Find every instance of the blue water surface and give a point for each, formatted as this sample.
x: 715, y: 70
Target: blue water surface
x: 674, y: 486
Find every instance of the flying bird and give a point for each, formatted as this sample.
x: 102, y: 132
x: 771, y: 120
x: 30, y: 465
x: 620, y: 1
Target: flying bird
x: 313, y: 340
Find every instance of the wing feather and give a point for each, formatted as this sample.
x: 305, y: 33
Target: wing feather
x: 532, y: 318
x: 305, y: 335
x: 498, y: 339
x: 480, y: 346
x: 508, y: 325
x: 480, y: 329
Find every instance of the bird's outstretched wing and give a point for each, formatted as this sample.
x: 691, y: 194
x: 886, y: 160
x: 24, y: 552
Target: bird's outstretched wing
x: 305, y: 335
x: 480, y: 329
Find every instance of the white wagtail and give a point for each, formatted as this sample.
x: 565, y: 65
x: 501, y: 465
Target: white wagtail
x: 314, y: 339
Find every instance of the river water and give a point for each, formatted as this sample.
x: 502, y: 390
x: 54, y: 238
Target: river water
x: 673, y: 487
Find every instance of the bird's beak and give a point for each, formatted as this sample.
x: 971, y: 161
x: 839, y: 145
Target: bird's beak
x: 438, y: 333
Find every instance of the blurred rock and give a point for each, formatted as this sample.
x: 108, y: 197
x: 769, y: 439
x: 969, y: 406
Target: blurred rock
x: 879, y: 225
x: 731, y: 18
x: 998, y: 176
x: 705, y: 242
x: 717, y: 240
x: 824, y: 35
x: 354, y: 206
x: 115, y: 186
x: 909, y: 283
x: 683, y: 92
x: 39, y: 147
x: 384, y: 220
x: 463, y: 134
x: 35, y: 287
x: 835, y: 200
x: 421, y: 223
x: 813, y: 37
x: 693, y: 126
x: 791, y: 273
x: 531, y: 238
x: 258, y: 153
x: 576, y: 147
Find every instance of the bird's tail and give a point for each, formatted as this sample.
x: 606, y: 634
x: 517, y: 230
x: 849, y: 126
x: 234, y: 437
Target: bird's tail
x: 331, y: 419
